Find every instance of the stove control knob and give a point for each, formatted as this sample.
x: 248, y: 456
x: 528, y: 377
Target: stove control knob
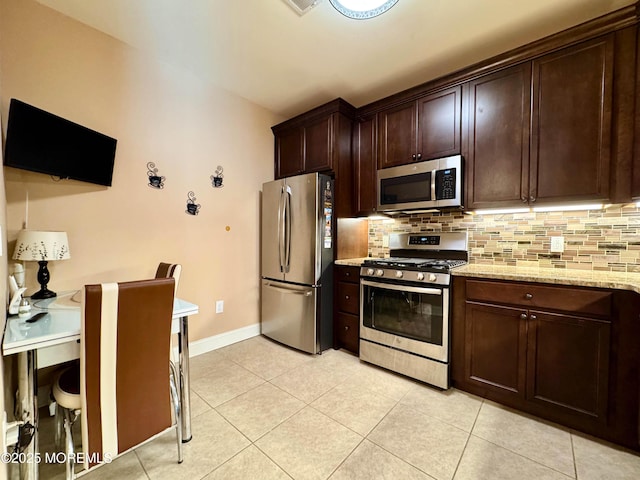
x: 432, y: 277
x: 420, y: 276
x: 370, y: 271
x: 399, y: 274
x: 379, y: 272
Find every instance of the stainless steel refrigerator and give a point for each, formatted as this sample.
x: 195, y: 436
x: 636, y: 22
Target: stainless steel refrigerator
x: 297, y: 254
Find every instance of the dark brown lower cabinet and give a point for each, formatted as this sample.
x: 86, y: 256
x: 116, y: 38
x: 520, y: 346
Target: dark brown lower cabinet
x: 495, y: 341
x: 559, y: 352
x: 346, y: 316
x: 568, y: 364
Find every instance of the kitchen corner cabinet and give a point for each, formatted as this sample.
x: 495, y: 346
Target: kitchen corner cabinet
x: 541, y: 131
x: 421, y: 129
x: 555, y: 351
x: 346, y: 324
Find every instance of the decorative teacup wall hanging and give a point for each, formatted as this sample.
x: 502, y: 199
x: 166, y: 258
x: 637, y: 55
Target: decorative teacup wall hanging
x: 216, y: 178
x: 155, y: 180
x: 192, y: 207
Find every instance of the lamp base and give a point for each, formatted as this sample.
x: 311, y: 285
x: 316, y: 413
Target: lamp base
x: 43, y: 293
x: 43, y: 280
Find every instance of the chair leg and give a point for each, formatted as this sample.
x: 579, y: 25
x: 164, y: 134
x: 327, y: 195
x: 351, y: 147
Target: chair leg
x: 177, y: 407
x: 69, y: 448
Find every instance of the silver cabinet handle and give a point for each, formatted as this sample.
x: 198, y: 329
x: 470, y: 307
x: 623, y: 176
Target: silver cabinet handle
x: 533, y: 317
x: 523, y: 316
x: 528, y: 296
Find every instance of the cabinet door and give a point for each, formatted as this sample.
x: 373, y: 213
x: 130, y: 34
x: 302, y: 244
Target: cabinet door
x: 289, y: 160
x: 497, y: 162
x: 317, y: 145
x: 571, y: 130
x: 568, y: 364
x: 397, y: 135
x: 438, y: 132
x: 347, y: 331
x: 348, y: 297
x: 365, y: 165
x: 495, y: 348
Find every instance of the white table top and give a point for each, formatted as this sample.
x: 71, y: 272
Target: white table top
x: 63, y: 323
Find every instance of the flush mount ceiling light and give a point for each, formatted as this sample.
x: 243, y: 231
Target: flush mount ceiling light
x: 362, y: 9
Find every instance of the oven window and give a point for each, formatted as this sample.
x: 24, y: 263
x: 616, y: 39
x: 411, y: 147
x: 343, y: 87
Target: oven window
x: 409, y: 314
x: 406, y: 189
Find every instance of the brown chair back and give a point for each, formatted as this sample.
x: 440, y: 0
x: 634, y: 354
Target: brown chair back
x: 125, y: 335
x: 170, y: 270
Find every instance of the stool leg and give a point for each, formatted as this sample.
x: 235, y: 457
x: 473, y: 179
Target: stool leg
x: 58, y: 421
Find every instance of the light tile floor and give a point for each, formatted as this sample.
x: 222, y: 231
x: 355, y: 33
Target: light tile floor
x: 264, y: 411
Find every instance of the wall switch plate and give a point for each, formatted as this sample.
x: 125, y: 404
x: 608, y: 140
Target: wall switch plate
x: 219, y: 306
x: 557, y: 244
x: 385, y: 241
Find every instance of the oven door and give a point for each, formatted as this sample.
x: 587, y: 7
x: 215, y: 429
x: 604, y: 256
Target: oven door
x: 410, y: 318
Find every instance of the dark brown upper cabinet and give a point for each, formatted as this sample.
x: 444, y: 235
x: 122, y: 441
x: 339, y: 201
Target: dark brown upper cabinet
x: 499, y: 120
x: 365, y: 166
x: 289, y: 153
x: 541, y: 132
x: 421, y: 129
x: 571, y: 141
x: 316, y: 141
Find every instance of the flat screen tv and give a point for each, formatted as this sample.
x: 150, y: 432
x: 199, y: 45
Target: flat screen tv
x: 42, y: 142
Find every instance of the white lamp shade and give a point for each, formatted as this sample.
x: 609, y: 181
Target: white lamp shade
x: 35, y: 246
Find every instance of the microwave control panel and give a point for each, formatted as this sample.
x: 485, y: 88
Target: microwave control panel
x: 446, y: 184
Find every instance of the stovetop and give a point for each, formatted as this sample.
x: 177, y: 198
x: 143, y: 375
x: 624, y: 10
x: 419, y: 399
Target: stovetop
x: 419, y: 264
x: 424, y: 258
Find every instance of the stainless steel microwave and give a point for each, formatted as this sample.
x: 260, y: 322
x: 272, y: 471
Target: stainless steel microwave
x: 425, y: 185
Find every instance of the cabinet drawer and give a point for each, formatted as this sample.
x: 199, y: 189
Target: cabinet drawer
x: 347, y: 274
x: 569, y: 299
x: 347, y: 331
x: 348, y: 296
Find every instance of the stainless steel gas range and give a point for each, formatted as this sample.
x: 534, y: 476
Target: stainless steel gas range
x: 405, y: 304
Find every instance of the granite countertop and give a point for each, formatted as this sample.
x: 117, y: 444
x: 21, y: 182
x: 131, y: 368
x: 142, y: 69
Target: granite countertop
x: 351, y: 262
x: 561, y: 276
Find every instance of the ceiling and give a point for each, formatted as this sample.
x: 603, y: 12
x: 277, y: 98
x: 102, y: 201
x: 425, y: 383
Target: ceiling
x: 262, y: 50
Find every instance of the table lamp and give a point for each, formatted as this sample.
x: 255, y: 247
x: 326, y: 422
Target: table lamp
x: 42, y: 247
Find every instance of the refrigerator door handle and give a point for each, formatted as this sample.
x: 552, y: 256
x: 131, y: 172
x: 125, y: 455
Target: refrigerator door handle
x: 281, y: 230
x: 287, y: 229
x: 306, y: 293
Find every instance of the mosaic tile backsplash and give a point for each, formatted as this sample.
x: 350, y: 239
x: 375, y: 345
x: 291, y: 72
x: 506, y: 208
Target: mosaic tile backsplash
x: 607, y: 240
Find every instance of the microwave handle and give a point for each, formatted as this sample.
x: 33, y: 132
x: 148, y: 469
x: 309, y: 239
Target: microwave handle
x: 433, y: 185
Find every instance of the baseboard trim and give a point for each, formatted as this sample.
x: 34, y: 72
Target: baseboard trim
x: 209, y: 344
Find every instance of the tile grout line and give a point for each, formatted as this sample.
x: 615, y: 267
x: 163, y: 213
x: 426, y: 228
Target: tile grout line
x: 466, y: 444
x: 573, y: 454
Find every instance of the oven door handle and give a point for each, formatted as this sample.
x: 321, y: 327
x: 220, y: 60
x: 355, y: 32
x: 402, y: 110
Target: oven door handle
x: 402, y: 288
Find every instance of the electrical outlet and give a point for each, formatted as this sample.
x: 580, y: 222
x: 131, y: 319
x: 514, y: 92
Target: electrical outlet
x: 219, y: 306
x: 385, y: 240
x: 557, y: 244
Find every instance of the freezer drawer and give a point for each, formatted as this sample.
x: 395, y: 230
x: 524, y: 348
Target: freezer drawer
x: 289, y: 314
